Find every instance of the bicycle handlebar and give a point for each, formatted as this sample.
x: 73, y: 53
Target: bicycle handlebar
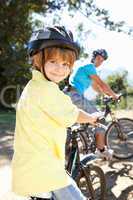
x: 100, y: 125
x: 109, y: 99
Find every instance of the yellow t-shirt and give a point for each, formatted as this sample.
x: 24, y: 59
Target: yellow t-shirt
x: 43, y: 113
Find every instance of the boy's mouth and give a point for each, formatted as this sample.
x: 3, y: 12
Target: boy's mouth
x: 57, y: 75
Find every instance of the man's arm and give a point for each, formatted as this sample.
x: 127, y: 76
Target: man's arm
x: 102, y: 86
x: 96, y: 87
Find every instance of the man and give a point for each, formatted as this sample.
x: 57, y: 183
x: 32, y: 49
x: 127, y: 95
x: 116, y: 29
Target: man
x: 80, y: 80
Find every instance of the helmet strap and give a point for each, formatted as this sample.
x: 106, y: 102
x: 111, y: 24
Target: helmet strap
x: 43, y: 64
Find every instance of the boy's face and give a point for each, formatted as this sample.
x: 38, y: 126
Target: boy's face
x: 98, y: 60
x: 57, y: 69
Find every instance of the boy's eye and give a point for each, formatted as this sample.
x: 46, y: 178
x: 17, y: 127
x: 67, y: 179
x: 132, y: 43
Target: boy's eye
x: 66, y: 64
x: 52, y: 61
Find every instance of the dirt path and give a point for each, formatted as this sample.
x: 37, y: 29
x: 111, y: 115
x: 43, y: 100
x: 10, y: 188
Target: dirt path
x: 119, y: 173
x: 119, y: 177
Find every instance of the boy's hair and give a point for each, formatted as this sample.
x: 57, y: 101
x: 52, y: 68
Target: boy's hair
x: 49, y: 53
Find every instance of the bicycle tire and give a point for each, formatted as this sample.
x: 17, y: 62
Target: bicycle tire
x: 83, y: 147
x: 119, y: 137
x: 82, y: 144
x: 88, y: 141
x: 91, y: 181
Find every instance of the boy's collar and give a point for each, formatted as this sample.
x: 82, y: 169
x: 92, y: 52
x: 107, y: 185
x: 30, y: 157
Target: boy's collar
x: 37, y: 75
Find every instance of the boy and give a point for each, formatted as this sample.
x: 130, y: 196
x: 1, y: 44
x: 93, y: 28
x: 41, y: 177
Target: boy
x: 43, y: 114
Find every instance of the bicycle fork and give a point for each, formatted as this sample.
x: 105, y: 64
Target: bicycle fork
x: 87, y: 175
x: 121, y: 135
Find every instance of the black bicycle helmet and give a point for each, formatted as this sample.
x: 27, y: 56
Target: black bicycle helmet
x: 57, y: 36
x: 101, y: 52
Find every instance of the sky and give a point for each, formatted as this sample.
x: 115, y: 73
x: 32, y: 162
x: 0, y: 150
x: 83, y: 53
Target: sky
x: 118, y: 45
x: 118, y: 9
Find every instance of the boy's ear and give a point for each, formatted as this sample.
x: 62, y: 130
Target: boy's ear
x: 36, y: 62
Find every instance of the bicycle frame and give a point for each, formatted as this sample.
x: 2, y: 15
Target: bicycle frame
x: 74, y: 158
x: 74, y: 161
x: 114, y: 121
x: 83, y: 166
x: 108, y: 110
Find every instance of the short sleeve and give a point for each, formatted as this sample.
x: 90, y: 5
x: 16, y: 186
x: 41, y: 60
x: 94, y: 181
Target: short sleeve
x: 58, y: 106
x: 90, y: 69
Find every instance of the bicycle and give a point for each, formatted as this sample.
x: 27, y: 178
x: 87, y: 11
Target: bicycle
x: 88, y: 176
x: 118, y: 133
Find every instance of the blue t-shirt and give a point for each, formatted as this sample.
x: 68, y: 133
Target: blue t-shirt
x: 80, y: 77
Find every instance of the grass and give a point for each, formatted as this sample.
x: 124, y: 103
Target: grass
x: 7, y: 126
x: 7, y: 117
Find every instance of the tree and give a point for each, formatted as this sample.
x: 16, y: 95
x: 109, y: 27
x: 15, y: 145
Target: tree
x: 88, y: 8
x: 15, y: 29
x: 118, y: 81
x: 16, y: 25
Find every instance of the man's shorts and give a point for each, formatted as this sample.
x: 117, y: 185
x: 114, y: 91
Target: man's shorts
x: 88, y: 106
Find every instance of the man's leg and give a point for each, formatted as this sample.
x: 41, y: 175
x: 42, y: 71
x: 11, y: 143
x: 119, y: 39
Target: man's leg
x: 100, y: 140
x: 102, y: 151
x: 90, y: 107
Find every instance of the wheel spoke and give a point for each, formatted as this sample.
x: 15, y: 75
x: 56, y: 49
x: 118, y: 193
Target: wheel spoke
x: 120, y: 138
x: 92, y: 182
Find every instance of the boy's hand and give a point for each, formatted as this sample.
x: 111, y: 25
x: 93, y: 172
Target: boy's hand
x: 85, y: 117
x: 93, y: 120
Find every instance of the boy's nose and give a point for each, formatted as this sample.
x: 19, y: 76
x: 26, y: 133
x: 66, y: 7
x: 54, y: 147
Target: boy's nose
x: 61, y: 67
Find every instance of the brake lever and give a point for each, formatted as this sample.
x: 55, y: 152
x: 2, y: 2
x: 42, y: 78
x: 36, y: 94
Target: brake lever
x: 100, y: 122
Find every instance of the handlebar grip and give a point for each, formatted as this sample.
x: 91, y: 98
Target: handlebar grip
x: 100, y: 120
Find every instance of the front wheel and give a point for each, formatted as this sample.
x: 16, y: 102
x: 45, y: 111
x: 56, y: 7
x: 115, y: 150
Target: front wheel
x: 119, y: 137
x: 91, y: 181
